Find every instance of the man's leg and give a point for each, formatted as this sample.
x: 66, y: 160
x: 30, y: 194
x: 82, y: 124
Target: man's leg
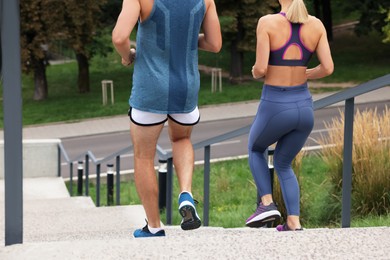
x: 182, y: 153
x: 183, y: 159
x: 144, y: 140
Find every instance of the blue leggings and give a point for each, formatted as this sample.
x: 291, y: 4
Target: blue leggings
x: 285, y: 115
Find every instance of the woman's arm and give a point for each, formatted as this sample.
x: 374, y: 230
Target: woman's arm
x: 324, y: 56
x: 211, y: 38
x: 120, y: 35
x: 259, y: 70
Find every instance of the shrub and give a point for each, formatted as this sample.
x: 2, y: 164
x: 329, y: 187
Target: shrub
x: 370, y: 160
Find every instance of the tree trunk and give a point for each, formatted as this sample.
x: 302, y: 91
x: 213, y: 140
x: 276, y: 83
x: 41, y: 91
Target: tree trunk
x: 236, y: 60
x: 236, y: 56
x: 83, y: 77
x: 40, y: 81
x: 327, y: 15
x: 317, y: 9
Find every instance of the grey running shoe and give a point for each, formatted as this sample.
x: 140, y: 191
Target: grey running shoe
x: 263, y: 216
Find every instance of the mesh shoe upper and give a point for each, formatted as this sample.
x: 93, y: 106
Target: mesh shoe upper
x: 263, y: 215
x: 144, y: 232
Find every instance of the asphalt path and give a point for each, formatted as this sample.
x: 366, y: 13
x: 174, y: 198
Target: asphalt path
x: 103, y: 145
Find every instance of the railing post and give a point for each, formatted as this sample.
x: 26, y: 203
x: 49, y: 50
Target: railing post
x: 110, y: 184
x: 347, y: 163
x: 118, y: 180
x: 80, y: 178
x: 12, y: 105
x: 71, y: 178
x: 98, y: 185
x: 206, y: 186
x: 59, y: 161
x: 162, y: 184
x: 169, y: 190
x: 87, y: 175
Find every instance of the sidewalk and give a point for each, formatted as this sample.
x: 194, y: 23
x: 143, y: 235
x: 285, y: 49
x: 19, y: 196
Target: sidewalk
x: 208, y: 113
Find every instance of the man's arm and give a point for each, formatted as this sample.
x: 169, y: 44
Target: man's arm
x: 211, y: 38
x: 124, y: 26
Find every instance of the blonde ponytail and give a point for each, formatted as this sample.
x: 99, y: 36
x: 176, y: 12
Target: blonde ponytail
x: 297, y: 12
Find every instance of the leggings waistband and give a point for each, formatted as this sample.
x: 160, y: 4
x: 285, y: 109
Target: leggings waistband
x: 285, y: 94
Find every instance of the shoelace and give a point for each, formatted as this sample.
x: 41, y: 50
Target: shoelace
x: 145, y: 228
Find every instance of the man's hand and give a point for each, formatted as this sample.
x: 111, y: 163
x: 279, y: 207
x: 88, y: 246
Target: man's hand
x: 130, y: 59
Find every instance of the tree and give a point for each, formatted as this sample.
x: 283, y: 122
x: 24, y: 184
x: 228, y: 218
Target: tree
x: 43, y: 22
x: 373, y: 15
x: 386, y: 28
x: 81, y: 20
x: 323, y: 11
x: 34, y: 39
x: 239, y: 21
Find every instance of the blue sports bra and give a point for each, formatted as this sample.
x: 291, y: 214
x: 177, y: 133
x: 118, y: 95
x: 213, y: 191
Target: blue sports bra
x: 276, y: 57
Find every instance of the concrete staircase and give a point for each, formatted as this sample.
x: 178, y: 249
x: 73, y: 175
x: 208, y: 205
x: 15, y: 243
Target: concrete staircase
x: 57, y: 226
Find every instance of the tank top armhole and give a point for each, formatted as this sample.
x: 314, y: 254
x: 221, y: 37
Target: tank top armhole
x: 150, y: 15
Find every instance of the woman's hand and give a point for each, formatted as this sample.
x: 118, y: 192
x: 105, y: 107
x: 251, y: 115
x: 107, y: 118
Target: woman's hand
x: 256, y: 74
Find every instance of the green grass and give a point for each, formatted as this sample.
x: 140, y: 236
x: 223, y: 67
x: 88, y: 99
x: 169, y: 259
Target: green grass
x: 356, y: 60
x: 233, y: 196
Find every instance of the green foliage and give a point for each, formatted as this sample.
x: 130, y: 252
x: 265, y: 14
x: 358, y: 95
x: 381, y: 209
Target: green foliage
x: 372, y: 16
x: 386, y: 27
x: 239, y: 20
x: 80, y: 23
x: 34, y: 31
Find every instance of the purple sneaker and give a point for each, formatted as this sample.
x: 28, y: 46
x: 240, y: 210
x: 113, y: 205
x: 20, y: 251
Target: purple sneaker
x: 285, y: 227
x: 263, y: 216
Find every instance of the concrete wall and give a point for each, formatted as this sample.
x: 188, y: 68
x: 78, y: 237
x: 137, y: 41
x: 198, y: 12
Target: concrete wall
x: 40, y: 158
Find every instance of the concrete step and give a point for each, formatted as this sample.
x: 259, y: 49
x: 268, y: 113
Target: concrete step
x: 213, y: 243
x: 58, y: 205
x: 78, y: 222
x: 40, y: 188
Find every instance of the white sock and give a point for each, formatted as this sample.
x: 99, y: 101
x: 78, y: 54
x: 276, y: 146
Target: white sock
x: 187, y: 192
x: 154, y: 230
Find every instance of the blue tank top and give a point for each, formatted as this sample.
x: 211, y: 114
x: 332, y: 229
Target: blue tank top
x: 166, y: 76
x: 276, y: 57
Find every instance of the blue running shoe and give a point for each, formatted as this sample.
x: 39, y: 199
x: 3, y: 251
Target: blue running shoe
x: 190, y: 219
x: 144, y: 232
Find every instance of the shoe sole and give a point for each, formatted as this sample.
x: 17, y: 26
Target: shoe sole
x: 190, y: 220
x: 267, y: 221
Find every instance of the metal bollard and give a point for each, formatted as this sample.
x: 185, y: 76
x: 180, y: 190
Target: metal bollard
x: 110, y: 184
x: 80, y: 178
x: 162, y: 184
x: 271, y: 167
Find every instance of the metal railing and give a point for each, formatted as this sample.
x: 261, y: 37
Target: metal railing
x: 348, y: 96
x: 86, y: 158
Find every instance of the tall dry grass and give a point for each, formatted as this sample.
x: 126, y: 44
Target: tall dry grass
x: 370, y: 160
